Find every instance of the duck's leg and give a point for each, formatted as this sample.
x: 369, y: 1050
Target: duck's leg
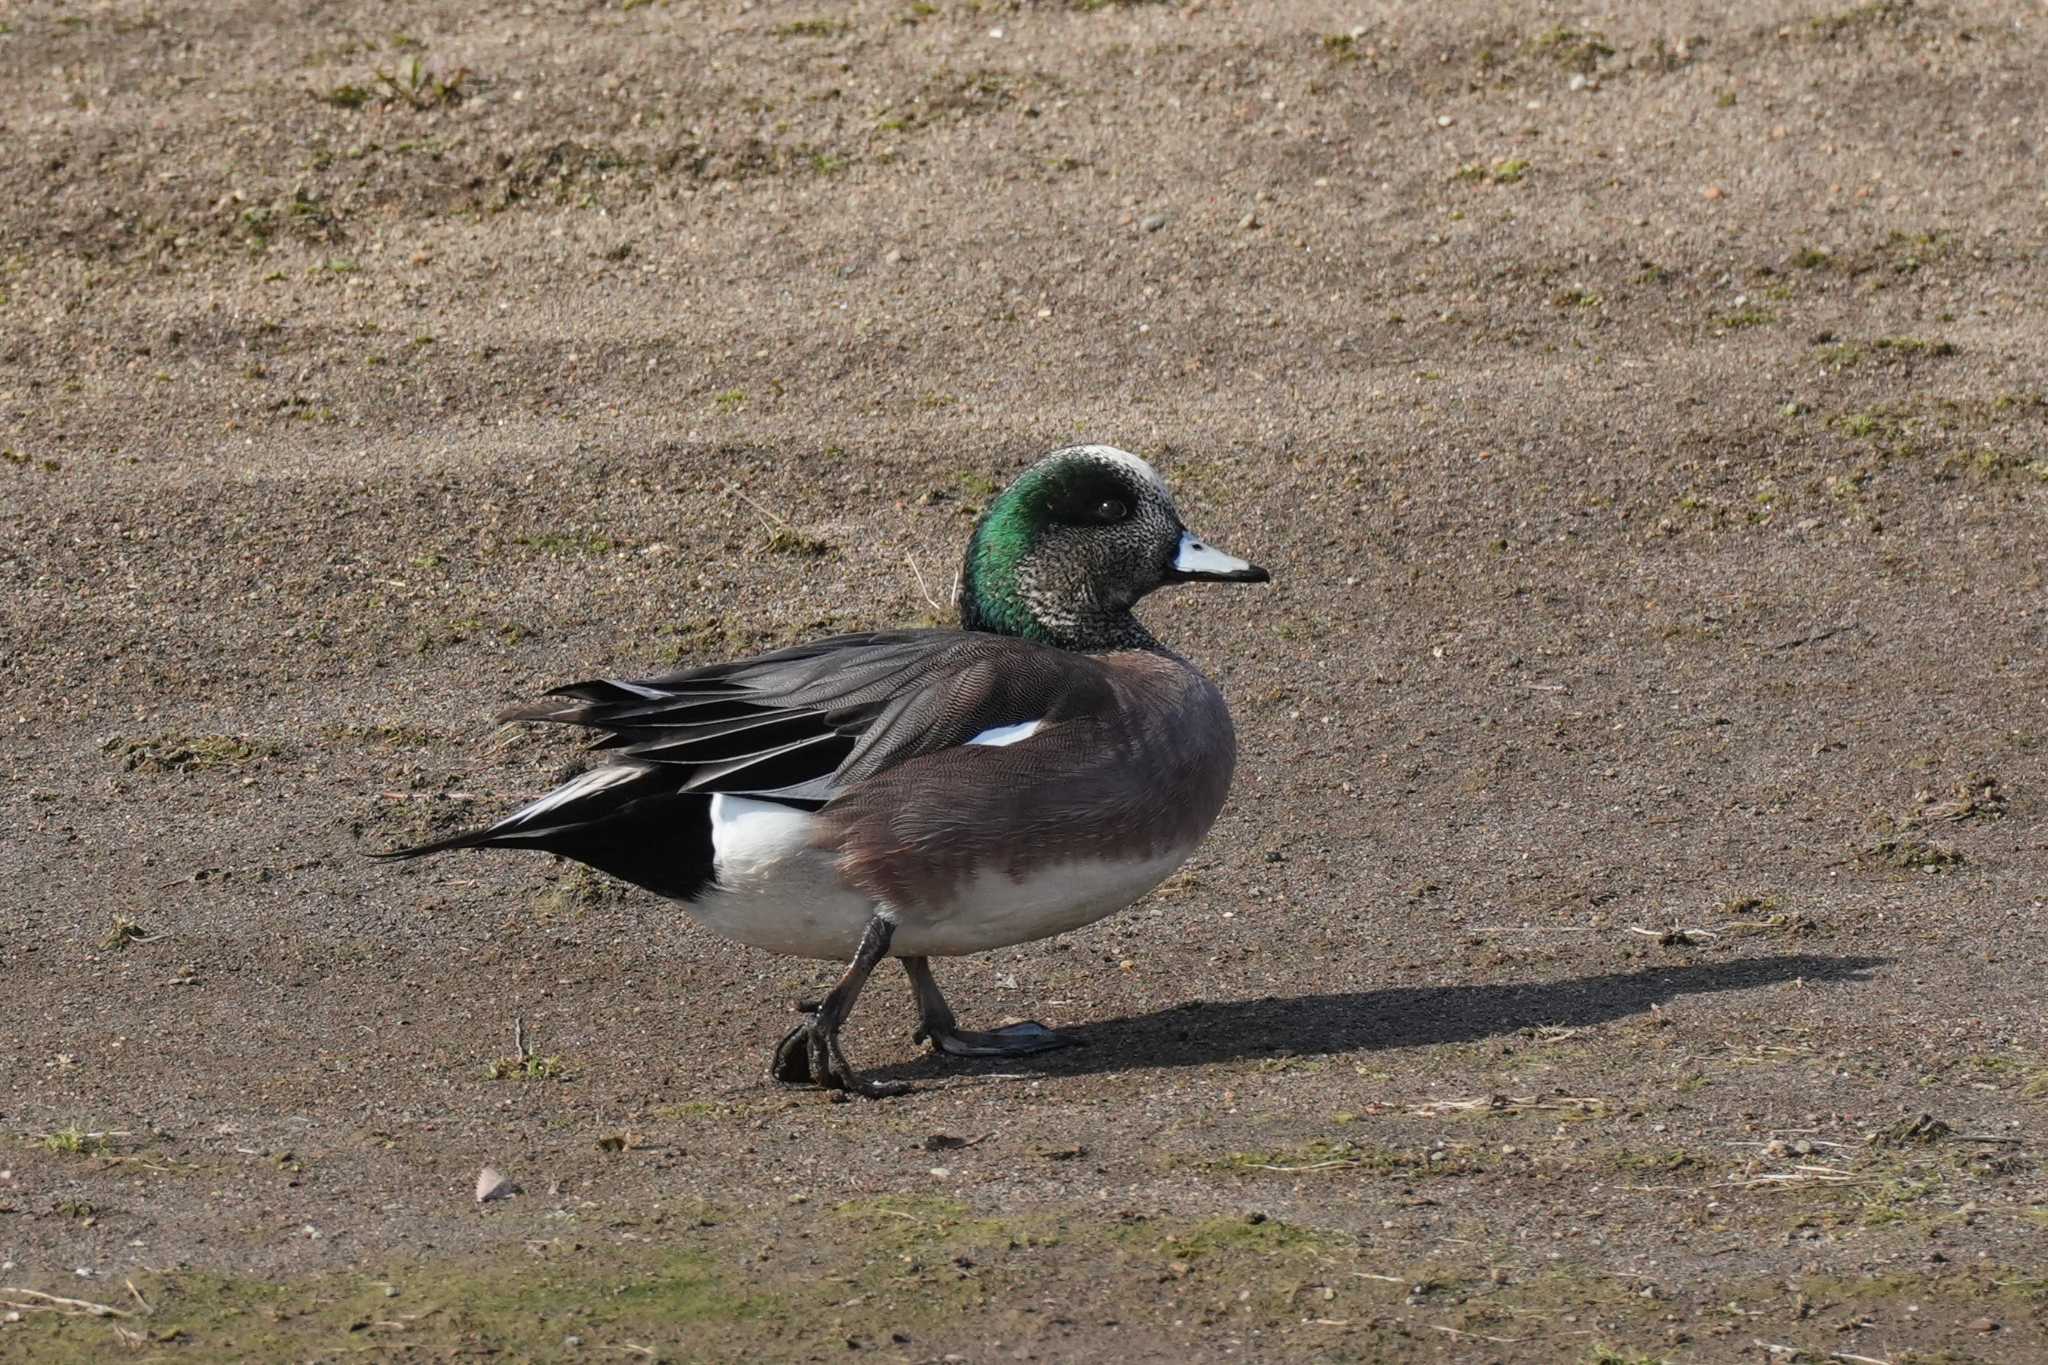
x: 809, y: 1054
x: 935, y: 1021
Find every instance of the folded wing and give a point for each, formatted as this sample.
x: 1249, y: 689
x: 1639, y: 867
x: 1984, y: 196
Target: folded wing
x: 801, y: 724
x: 797, y: 726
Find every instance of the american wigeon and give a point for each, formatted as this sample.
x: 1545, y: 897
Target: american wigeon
x: 921, y: 793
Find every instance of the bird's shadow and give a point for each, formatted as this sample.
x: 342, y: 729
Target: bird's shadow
x: 1199, y: 1032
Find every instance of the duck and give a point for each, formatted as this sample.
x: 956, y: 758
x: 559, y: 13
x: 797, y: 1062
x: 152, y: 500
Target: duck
x: 919, y: 793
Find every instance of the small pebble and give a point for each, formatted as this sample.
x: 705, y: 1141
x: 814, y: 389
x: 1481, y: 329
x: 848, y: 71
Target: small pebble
x: 1152, y: 222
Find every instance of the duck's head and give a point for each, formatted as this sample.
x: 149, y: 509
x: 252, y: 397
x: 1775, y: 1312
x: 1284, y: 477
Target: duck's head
x: 1066, y: 550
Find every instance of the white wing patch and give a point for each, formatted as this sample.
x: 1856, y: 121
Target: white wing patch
x: 1001, y: 735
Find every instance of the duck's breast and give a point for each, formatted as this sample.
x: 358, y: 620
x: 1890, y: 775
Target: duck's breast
x: 986, y: 845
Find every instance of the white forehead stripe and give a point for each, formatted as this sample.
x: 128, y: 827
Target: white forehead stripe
x: 1111, y: 455
x: 1195, y: 557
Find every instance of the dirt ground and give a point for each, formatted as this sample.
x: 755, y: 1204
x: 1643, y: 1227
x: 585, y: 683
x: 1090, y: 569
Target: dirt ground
x: 1623, y: 943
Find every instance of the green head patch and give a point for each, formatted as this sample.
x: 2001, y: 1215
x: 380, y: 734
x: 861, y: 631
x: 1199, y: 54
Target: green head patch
x: 1064, y: 551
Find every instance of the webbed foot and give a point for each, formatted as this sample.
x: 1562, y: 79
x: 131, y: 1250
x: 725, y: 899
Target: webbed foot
x: 1010, y: 1040
x: 935, y: 1021
x: 810, y: 1055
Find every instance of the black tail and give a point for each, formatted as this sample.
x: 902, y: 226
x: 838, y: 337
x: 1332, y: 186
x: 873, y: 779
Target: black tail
x: 469, y: 838
x: 623, y: 819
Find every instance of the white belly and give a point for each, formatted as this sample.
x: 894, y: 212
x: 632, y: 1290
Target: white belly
x: 995, y: 910
x: 775, y: 891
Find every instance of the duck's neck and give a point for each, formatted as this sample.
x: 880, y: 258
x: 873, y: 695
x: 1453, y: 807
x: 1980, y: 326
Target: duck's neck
x: 1000, y: 593
x: 1085, y: 628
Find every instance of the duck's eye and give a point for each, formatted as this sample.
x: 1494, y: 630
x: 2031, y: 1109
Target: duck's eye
x: 1111, y: 509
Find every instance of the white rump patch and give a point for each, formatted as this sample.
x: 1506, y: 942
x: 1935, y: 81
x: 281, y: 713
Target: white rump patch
x: 1197, y: 557
x: 1001, y: 735
x: 773, y: 888
x: 751, y: 836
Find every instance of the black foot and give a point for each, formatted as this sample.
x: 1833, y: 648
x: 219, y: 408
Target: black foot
x: 1012, y: 1040
x: 809, y: 1055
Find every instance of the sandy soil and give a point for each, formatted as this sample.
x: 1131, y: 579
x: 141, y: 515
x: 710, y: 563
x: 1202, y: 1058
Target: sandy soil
x: 1640, y: 820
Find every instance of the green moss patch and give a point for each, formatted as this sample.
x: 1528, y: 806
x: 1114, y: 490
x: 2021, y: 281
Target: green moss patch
x: 169, y: 753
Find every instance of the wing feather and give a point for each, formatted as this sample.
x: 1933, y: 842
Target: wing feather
x: 801, y: 724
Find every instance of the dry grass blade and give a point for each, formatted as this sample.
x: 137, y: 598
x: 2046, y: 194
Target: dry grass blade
x: 1511, y: 1104
x: 57, y: 1303
x: 1678, y: 935
x: 1330, y: 1165
x: 767, y: 513
x: 1798, y: 1177
x: 125, y: 932
x: 922, y: 589
x: 1775, y: 1349
x: 1550, y: 1033
x: 1475, y: 1336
